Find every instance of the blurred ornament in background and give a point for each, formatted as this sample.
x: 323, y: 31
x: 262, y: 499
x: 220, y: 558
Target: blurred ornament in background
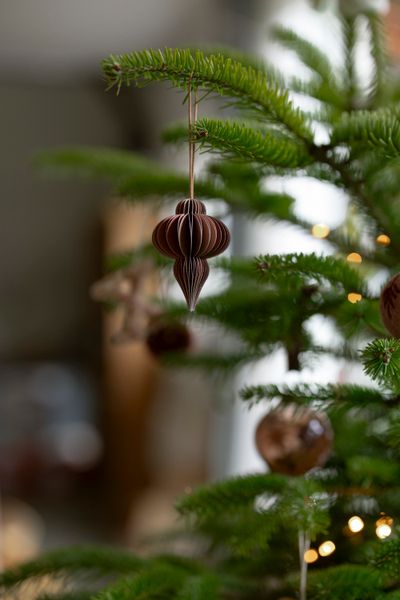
x: 22, y: 532
x: 77, y: 445
x: 390, y: 305
x: 165, y: 335
x: 293, y: 440
x: 121, y: 285
x: 126, y: 288
x: 190, y: 237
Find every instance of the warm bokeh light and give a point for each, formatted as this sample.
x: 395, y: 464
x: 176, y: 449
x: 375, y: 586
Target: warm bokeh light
x: 22, y: 533
x: 320, y: 231
x: 326, y: 548
x: 383, y: 531
x: 384, y: 527
x: 355, y: 524
x: 353, y: 297
x: 383, y: 239
x: 310, y: 556
x: 354, y: 257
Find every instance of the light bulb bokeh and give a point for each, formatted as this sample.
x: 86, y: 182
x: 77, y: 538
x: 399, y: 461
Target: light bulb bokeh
x: 355, y: 524
x: 326, y: 548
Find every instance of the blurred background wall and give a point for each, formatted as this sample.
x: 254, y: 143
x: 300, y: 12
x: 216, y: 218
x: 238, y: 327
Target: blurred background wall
x: 87, y: 431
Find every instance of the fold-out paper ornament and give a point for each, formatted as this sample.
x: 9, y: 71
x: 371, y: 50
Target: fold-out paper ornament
x: 190, y: 237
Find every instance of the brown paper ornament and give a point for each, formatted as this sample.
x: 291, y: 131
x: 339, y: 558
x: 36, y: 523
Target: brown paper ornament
x: 190, y: 237
x: 390, y: 306
x: 293, y: 440
x: 167, y: 335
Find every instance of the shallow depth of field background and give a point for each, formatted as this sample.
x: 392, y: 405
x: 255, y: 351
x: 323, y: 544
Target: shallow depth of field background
x: 96, y: 440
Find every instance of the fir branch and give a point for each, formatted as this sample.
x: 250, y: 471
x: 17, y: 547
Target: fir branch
x: 157, y: 184
x: 160, y: 183
x: 245, y: 531
x: 367, y: 471
x: 75, y: 595
x: 95, y: 560
x: 247, y: 87
x: 325, y: 396
x: 345, y: 582
x: 247, y: 59
x: 333, y: 101
x: 379, y: 129
x: 379, y: 55
x: 176, y: 133
x: 387, y: 558
x: 234, y: 139
x: 200, y: 587
x: 337, y: 272
x: 229, y: 495
x: 381, y: 359
x: 350, y: 41
x: 110, y: 164
x: 156, y: 581
x: 314, y: 59
x: 210, y: 362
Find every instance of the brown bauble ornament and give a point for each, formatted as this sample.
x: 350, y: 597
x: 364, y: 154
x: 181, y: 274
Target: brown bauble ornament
x: 167, y: 335
x: 390, y: 305
x: 293, y: 440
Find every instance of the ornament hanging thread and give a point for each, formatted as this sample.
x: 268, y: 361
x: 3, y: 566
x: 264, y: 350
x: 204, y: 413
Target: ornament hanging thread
x: 191, y: 236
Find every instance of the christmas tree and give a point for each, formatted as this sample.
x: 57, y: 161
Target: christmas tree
x: 321, y: 522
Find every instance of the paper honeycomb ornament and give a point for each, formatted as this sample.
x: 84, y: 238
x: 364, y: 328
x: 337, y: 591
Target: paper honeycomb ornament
x: 191, y: 237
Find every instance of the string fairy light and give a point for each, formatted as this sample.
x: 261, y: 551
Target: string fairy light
x: 383, y: 239
x: 354, y: 297
x: 320, y: 230
x: 383, y: 527
x: 310, y: 556
x: 354, y: 257
x: 355, y: 524
x: 326, y: 548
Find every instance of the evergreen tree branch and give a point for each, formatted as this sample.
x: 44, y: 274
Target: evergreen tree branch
x: 234, y: 139
x: 381, y: 359
x: 387, y: 558
x: 350, y: 40
x: 379, y: 129
x: 379, y: 56
x: 324, y: 396
x: 96, y: 560
x: 155, y: 581
x: 96, y: 162
x: 231, y: 494
x: 247, y: 87
x: 314, y: 59
x: 345, y: 582
x: 320, y: 268
x: 200, y: 587
x: 75, y: 595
